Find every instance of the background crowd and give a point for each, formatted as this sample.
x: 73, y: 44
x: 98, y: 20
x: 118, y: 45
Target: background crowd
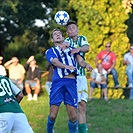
x: 26, y: 78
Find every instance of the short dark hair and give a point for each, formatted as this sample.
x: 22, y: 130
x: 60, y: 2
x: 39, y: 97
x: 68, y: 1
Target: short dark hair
x: 71, y: 22
x: 56, y: 29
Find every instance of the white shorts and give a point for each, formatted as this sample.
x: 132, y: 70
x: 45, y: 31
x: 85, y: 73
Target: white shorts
x: 48, y: 86
x: 15, y: 123
x: 82, y: 87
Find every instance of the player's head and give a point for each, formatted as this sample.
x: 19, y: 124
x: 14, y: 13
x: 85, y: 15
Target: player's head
x: 72, y: 29
x: 70, y: 22
x: 57, y: 36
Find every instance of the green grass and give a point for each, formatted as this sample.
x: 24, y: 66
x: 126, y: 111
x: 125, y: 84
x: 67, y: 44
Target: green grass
x: 102, y: 117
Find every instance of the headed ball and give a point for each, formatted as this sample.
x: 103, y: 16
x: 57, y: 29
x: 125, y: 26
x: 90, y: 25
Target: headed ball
x: 61, y: 17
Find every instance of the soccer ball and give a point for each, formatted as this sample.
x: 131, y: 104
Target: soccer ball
x: 61, y: 17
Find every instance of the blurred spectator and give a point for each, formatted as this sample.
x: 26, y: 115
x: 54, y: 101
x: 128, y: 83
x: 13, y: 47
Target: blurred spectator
x: 16, y: 72
x: 128, y: 61
x: 33, y: 78
x: 108, y: 61
x: 48, y: 84
x: 98, y: 80
x: 2, y: 68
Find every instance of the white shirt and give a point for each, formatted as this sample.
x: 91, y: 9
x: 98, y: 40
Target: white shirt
x: 2, y: 70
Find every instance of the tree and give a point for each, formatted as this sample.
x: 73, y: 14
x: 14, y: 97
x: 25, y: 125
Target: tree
x: 103, y: 21
x: 17, y: 20
x: 128, y: 5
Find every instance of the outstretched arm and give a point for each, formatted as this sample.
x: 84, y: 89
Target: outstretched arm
x: 82, y: 63
x: 8, y: 63
x: 57, y: 63
x: 84, y: 49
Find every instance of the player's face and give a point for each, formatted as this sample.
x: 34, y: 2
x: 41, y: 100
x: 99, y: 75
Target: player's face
x: 72, y: 30
x: 57, y: 37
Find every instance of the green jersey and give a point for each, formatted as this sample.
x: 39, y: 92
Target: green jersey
x: 81, y: 41
x: 8, y: 91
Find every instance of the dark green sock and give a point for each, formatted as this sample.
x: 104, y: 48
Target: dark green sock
x: 82, y: 128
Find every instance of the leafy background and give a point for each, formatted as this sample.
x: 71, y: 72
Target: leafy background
x: 100, y: 21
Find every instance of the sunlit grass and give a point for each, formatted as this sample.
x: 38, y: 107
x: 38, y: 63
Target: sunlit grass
x: 114, y: 116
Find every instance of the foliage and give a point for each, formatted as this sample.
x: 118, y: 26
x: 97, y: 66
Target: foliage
x: 102, y: 117
x: 61, y: 5
x: 128, y: 5
x: 129, y: 22
x: 103, y: 21
x: 17, y: 22
x: 100, y: 21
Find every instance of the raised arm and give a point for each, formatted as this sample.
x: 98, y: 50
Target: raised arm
x: 82, y: 63
x: 8, y: 63
x: 80, y: 49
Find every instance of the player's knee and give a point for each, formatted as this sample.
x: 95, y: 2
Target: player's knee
x: 82, y: 106
x: 73, y: 117
x: 53, y: 117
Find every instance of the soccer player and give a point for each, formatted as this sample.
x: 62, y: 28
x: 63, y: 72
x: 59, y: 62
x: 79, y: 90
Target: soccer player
x: 12, y: 118
x: 82, y: 46
x: 64, y: 87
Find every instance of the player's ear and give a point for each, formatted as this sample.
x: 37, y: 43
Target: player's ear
x: 52, y: 40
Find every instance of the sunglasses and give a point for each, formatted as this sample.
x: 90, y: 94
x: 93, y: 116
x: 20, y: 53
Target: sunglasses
x: 107, y: 46
x: 131, y: 48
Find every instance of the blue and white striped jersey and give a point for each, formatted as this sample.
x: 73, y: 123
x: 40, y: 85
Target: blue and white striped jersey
x: 81, y: 41
x: 64, y: 57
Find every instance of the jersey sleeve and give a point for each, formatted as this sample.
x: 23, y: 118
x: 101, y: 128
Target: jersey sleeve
x: 84, y: 41
x: 50, y: 55
x: 67, y: 40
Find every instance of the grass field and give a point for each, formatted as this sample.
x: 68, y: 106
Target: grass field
x: 115, y: 116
